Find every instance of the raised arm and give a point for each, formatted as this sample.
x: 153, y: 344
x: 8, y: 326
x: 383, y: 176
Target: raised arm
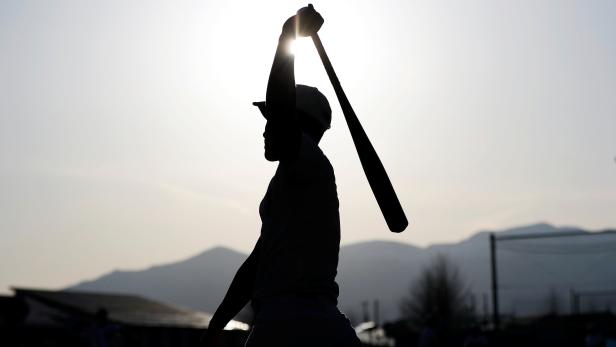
x: 283, y: 126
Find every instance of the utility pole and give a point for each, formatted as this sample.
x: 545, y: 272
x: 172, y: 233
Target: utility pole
x: 486, y: 314
x: 495, y: 313
x: 364, y: 308
x: 375, y: 312
x: 573, y: 299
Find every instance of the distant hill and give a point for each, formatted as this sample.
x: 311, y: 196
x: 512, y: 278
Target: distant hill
x: 528, y: 271
x: 199, y: 282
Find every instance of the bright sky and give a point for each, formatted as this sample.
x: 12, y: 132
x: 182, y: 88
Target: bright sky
x: 128, y: 138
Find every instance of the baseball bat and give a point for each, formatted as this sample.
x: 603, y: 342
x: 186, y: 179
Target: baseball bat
x: 373, y: 168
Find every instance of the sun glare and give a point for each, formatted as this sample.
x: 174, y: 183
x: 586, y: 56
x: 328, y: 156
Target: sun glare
x: 301, y: 47
x: 308, y: 67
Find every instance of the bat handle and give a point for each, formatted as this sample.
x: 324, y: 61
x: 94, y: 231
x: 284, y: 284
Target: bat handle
x: 344, y: 101
x: 352, y: 122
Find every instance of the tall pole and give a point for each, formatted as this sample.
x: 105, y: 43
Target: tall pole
x: 375, y: 312
x: 486, y: 314
x: 495, y: 314
x: 364, y: 308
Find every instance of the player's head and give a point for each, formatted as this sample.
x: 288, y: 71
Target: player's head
x: 313, y: 113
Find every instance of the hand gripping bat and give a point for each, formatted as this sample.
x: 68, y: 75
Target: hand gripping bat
x: 373, y: 168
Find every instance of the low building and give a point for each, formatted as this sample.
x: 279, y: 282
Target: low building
x: 70, y: 318
x: 370, y: 334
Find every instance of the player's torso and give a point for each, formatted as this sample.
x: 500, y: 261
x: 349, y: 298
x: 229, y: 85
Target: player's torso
x: 300, y: 232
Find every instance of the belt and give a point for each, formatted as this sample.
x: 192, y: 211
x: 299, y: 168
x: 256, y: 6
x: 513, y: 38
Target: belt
x: 286, y: 298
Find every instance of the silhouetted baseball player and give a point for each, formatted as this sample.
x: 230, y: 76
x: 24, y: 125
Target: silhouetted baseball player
x: 290, y: 275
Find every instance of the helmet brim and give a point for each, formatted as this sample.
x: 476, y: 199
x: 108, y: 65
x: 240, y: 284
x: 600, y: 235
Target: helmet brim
x: 262, y: 108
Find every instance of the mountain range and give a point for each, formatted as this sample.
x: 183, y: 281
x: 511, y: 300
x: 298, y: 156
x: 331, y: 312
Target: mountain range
x: 534, y: 275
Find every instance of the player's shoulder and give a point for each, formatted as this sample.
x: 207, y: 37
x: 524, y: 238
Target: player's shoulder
x: 311, y: 154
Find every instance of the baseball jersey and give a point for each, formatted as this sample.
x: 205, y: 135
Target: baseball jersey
x: 300, y: 233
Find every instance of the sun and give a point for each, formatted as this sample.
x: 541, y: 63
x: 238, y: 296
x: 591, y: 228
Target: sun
x: 308, y: 67
x: 301, y: 46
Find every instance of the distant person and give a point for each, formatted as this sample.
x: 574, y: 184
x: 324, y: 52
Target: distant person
x: 476, y: 338
x: 290, y: 275
x: 429, y: 336
x: 101, y: 332
x: 13, y: 332
x: 594, y: 338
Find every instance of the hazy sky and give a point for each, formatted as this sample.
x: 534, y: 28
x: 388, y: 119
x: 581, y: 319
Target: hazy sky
x: 128, y: 138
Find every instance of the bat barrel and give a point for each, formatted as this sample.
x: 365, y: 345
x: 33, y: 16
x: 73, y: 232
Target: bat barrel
x: 375, y: 172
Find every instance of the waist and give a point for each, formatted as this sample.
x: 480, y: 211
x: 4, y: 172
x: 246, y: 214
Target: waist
x: 294, y: 306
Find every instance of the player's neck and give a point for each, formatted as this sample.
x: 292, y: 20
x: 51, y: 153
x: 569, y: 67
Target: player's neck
x: 314, y: 137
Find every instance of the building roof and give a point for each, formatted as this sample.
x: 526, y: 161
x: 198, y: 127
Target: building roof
x: 123, y: 308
